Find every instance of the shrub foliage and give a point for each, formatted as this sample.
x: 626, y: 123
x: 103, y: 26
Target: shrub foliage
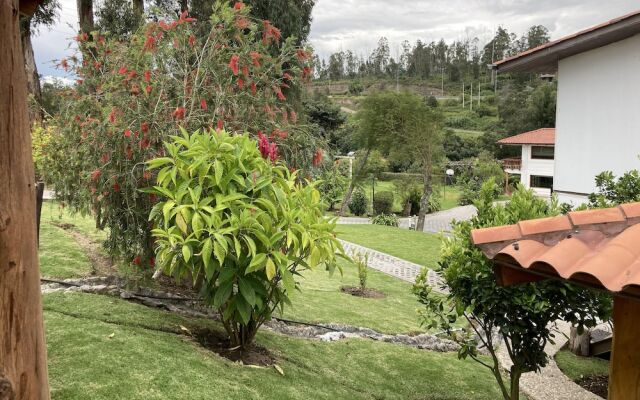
x: 383, y: 203
x: 358, y: 204
x: 239, y: 226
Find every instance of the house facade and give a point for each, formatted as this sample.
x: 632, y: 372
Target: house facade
x: 598, y: 104
x: 535, y: 166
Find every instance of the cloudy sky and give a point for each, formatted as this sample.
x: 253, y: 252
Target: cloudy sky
x: 357, y: 24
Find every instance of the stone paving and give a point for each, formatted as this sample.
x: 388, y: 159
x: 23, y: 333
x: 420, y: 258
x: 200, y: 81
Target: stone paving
x: 394, y: 266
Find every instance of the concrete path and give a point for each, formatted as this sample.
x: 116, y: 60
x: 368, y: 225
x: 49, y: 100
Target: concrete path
x: 394, y: 266
x: 550, y: 383
x: 434, y: 223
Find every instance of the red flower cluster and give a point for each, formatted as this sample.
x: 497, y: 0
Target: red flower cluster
x: 302, y: 55
x: 233, y: 63
x: 184, y: 17
x: 238, y: 5
x: 317, y: 158
x: 255, y: 58
x: 95, y: 175
x: 268, y: 150
x: 178, y: 113
x: 270, y: 33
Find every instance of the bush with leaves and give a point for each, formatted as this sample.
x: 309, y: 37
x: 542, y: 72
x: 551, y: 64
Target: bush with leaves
x: 383, y: 203
x: 519, y: 315
x: 359, y: 202
x: 386, y: 220
x: 481, y: 169
x: 332, y: 186
x: 611, y: 190
x: 356, y: 88
x: 133, y: 93
x: 239, y: 226
x: 361, y: 260
x: 40, y: 138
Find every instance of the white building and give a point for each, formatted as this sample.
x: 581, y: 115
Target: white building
x: 598, y: 105
x: 536, y: 164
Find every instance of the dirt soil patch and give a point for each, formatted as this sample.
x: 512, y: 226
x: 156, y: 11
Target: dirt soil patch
x: 219, y: 343
x: 598, y: 384
x: 359, y: 292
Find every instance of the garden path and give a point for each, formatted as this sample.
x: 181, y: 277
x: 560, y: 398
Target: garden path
x: 550, y: 383
x: 394, y: 266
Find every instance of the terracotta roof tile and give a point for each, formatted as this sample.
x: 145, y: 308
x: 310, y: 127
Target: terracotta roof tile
x: 543, y: 136
x: 598, y: 216
x: 579, y: 248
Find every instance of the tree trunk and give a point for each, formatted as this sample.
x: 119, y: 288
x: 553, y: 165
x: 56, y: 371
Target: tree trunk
x: 23, y: 357
x: 138, y: 8
x: 85, y: 15
x: 427, y: 189
x: 347, y: 196
x: 33, y: 79
x: 515, y: 383
x: 184, y: 6
x: 579, y: 344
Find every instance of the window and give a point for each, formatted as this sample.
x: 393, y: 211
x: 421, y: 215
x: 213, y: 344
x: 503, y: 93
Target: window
x: 541, y: 181
x: 542, y: 152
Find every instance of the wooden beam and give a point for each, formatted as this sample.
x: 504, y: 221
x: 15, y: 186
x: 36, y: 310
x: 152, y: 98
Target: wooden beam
x: 624, y: 370
x: 23, y: 362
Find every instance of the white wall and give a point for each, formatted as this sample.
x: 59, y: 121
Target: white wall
x: 532, y: 166
x: 598, y: 116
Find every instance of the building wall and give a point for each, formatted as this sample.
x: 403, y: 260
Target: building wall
x: 532, y: 166
x: 598, y: 117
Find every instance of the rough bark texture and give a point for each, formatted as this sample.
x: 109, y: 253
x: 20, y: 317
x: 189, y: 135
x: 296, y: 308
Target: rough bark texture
x: 23, y: 362
x: 85, y: 15
x: 579, y: 344
x: 31, y: 70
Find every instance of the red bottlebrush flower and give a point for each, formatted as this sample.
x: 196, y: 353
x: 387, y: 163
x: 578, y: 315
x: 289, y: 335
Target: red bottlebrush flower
x: 270, y: 33
x: 233, y: 63
x: 153, y: 197
x: 146, y: 175
x: 255, y: 58
x: 278, y: 92
x: 144, y: 127
x: 148, y: 89
x: 306, y: 72
x: 241, y: 22
x: 152, y: 262
x: 163, y: 24
x: 263, y: 145
x: 149, y: 43
x: 95, y: 175
x: 127, y: 133
x: 132, y: 74
x: 65, y: 64
x: 245, y: 71
x: 254, y: 88
x: 203, y: 104
x: 285, y: 116
x: 97, y: 64
x: 175, y: 43
x: 184, y: 17
x: 273, y: 152
x: 147, y: 76
x: 112, y: 116
x: 137, y: 260
x: 79, y: 81
x: 302, y: 55
x: 240, y: 84
x: 128, y: 152
x: 192, y: 40
x: 294, y: 117
x: 144, y: 143
x: 178, y: 113
x: 288, y: 76
x: 122, y: 71
x: 317, y: 158
x: 220, y: 125
x: 104, y: 158
x: 116, y: 187
x: 77, y: 119
x: 238, y: 5
x: 283, y: 134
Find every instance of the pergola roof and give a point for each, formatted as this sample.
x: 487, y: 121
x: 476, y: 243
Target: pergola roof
x: 598, y: 248
x: 545, y: 58
x: 543, y: 136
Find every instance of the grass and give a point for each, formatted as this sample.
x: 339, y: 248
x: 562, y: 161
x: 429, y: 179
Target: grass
x: 53, y: 213
x: 106, y: 348
x: 60, y: 255
x: 576, y: 367
x: 418, y: 247
x: 322, y: 301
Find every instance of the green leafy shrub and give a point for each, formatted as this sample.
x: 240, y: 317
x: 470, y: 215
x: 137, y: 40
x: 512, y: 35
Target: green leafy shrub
x: 386, y: 220
x: 358, y: 204
x: 355, y: 88
x: 40, y: 138
x: 361, y: 260
x: 332, y: 187
x: 460, y: 122
x: 611, y: 191
x: 383, y: 203
x: 431, y: 101
x: 240, y: 227
x: 484, y: 111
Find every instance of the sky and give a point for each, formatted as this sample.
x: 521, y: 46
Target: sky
x: 358, y: 24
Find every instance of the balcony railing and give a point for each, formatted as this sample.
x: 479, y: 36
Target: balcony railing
x: 511, y: 163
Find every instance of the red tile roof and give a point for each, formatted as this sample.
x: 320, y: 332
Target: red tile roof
x: 598, y: 248
x: 584, y: 40
x: 543, y: 136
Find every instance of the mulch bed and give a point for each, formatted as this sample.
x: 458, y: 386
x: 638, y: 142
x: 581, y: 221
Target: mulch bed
x: 598, y: 384
x: 219, y: 343
x: 367, y: 293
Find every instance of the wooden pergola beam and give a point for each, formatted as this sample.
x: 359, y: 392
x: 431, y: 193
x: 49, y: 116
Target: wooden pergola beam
x: 23, y: 362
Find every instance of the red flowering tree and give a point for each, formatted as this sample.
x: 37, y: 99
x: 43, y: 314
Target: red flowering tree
x: 131, y: 95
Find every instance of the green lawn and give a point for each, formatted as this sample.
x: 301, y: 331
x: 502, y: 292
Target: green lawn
x: 105, y: 348
x: 576, y: 367
x: 418, y: 247
x: 322, y: 301
x: 52, y: 213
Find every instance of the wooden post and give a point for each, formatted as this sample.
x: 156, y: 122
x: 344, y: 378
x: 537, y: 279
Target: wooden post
x: 23, y: 359
x: 624, y: 370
